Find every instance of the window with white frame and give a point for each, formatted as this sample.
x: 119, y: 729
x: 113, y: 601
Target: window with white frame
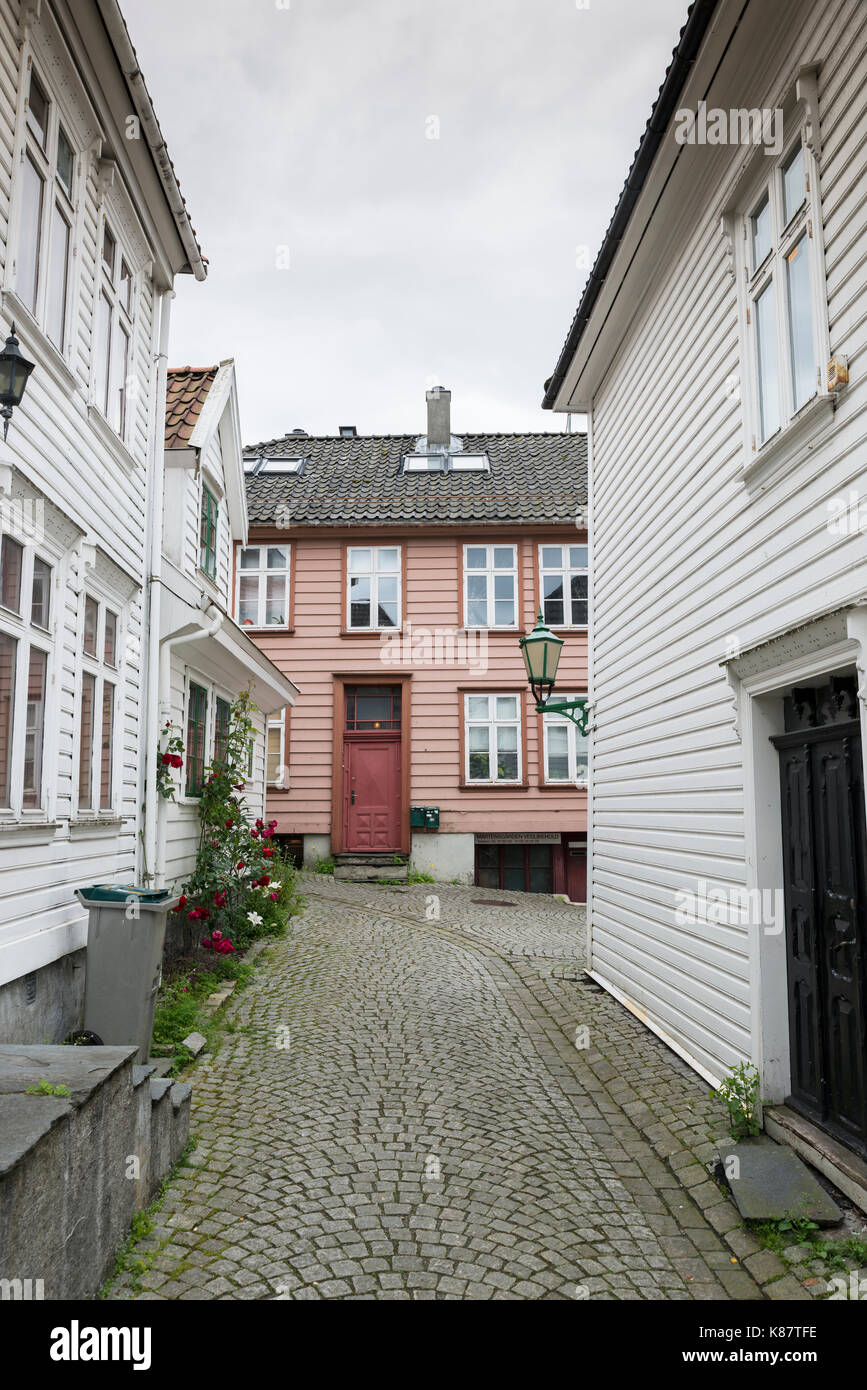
x: 275, y: 760
x: 563, y: 585
x: 492, y: 738
x: 46, y: 199
x: 114, y: 312
x: 26, y: 649
x: 491, y: 585
x: 786, y: 310
x: 97, y: 706
x: 262, y: 592
x: 564, y: 748
x: 373, y: 587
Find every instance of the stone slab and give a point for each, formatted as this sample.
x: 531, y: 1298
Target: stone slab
x: 24, y: 1120
x: 769, y: 1182
x: 194, y: 1042
x: 82, y: 1069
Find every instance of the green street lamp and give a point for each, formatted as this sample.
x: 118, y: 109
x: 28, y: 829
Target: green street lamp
x: 14, y: 372
x: 541, y: 653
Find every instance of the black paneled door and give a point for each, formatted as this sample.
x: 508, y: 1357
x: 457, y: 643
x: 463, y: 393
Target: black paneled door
x: 825, y: 872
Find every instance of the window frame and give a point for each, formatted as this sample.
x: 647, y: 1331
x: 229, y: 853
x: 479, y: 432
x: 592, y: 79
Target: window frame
x: 262, y: 574
x: 105, y: 675
x: 567, y: 571
x: 553, y: 720
x: 55, y: 197
x: 753, y: 281
x: 276, y: 722
x: 208, y: 495
x: 121, y: 323
x: 492, y: 723
x: 193, y: 792
x: 30, y: 637
x: 375, y: 573
x: 491, y: 570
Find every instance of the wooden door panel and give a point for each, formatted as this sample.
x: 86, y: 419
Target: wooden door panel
x: 801, y: 927
x: 825, y: 864
x: 373, y: 795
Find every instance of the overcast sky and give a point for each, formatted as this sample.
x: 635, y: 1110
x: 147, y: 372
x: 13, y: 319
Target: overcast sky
x: 355, y: 260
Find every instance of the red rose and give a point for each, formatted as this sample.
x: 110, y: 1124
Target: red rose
x: 240, y: 865
x: 182, y: 902
x: 266, y: 853
x: 273, y: 897
x: 265, y: 880
x: 229, y: 824
x: 177, y: 760
x: 166, y: 759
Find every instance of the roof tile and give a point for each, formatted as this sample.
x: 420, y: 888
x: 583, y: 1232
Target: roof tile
x: 186, y: 392
x: 539, y: 478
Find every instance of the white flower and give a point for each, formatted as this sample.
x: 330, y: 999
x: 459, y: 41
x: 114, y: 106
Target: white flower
x: 254, y: 918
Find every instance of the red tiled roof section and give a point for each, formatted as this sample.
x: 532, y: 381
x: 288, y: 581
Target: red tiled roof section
x: 186, y: 392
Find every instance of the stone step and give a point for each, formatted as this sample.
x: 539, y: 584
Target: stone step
x: 769, y: 1182
x: 370, y: 868
x: 369, y: 873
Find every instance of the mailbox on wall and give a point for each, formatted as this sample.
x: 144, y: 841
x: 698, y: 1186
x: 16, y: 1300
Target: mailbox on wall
x: 424, y: 817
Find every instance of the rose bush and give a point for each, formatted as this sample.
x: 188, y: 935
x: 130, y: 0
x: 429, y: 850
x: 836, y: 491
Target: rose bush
x: 241, y: 885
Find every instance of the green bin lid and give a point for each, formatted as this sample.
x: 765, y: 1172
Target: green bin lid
x: 113, y: 893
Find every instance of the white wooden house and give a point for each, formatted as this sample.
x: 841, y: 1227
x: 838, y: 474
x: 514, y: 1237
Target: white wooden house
x: 93, y: 231
x: 728, y: 468
x: 206, y: 659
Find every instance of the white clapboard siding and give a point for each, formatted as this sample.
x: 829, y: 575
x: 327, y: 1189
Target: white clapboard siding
x: 685, y: 555
x: 56, y: 446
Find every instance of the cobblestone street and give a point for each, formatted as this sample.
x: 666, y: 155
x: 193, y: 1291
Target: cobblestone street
x: 428, y: 1128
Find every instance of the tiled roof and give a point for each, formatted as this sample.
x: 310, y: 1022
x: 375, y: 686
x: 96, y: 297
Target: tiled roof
x: 533, y: 478
x: 186, y: 392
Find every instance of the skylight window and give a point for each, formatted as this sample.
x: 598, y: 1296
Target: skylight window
x: 276, y: 464
x: 424, y: 463
x: 470, y: 463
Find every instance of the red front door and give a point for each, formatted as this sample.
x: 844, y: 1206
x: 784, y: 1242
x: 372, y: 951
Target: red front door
x: 372, y: 802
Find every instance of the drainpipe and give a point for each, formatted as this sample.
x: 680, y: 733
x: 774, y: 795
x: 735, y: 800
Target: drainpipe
x: 217, y: 618
x: 150, y: 693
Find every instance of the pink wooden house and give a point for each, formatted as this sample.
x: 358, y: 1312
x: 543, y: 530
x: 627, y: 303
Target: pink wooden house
x: 392, y: 576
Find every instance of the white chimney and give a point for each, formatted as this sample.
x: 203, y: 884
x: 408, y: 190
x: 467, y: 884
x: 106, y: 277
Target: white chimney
x: 439, y: 417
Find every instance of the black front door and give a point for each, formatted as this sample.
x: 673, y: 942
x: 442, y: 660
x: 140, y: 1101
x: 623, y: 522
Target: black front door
x: 825, y: 868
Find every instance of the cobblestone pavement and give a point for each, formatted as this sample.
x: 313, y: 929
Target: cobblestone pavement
x: 433, y: 1131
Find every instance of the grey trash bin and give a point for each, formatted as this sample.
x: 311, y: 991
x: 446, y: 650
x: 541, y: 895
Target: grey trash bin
x: 125, y: 935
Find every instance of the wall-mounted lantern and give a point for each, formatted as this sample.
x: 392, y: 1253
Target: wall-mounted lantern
x: 541, y: 653
x: 14, y: 373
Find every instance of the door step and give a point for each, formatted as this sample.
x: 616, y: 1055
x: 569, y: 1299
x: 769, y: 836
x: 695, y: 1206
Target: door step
x: 371, y: 868
x: 769, y: 1182
x: 839, y: 1164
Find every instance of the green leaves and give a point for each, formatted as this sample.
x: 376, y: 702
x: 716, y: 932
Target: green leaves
x: 739, y: 1093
